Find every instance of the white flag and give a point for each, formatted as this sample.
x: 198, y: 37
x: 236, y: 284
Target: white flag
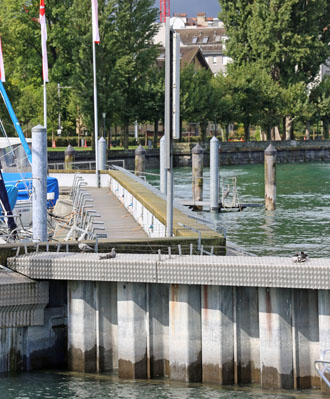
x: 95, y: 21
x: 42, y: 21
x: 2, y: 68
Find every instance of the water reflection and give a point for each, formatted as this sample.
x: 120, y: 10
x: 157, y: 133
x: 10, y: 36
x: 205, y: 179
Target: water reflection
x: 62, y: 385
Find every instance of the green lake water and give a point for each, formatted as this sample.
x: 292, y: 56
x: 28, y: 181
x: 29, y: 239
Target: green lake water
x: 302, y: 217
x: 91, y: 386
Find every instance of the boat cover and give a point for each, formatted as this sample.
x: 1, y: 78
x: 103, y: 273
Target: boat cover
x: 22, y: 186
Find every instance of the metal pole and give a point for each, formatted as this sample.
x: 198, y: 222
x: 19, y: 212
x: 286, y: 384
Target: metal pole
x: 162, y: 165
x: 104, y: 115
x: 59, y: 104
x: 214, y: 174
x: 39, y: 175
x: 96, y: 128
x: 168, y: 129
x: 45, y: 106
x: 102, y: 153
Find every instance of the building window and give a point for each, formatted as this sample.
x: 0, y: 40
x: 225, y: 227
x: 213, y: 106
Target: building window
x: 214, y: 60
x: 194, y: 40
x: 205, y: 39
x: 217, y: 39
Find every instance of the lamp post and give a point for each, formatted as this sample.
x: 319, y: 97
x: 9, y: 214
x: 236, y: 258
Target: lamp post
x: 104, y: 115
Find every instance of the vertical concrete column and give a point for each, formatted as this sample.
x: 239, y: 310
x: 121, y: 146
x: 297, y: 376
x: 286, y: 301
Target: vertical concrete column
x: 197, y: 172
x: 69, y: 157
x: 132, y: 331
x: 270, y: 177
x: 324, y: 327
x: 306, y: 336
x: 12, y: 349
x: 214, y: 174
x: 102, y: 153
x: 276, y: 353
x: 185, y: 340
x: 162, y: 165
x: 39, y: 175
x: 159, y: 328
x: 247, y: 335
x: 82, y: 335
x: 217, y: 334
x: 140, y: 155
x: 108, y: 353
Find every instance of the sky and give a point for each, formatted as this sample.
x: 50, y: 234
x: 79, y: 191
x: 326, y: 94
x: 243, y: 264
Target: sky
x: 192, y: 7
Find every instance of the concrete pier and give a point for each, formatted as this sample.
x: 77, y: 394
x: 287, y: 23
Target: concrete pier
x: 190, y: 318
x: 185, y: 341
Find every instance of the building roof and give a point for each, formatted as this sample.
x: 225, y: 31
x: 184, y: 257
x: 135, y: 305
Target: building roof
x: 209, y: 39
x: 188, y: 54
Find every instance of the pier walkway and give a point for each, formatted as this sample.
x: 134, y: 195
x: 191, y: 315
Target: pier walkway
x: 118, y: 222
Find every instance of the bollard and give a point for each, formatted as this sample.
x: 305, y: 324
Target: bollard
x: 214, y: 174
x: 197, y: 173
x: 69, y: 157
x: 162, y: 165
x: 140, y: 155
x: 39, y: 176
x: 270, y: 178
x: 102, y: 153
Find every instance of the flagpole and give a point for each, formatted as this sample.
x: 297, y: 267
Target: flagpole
x: 45, y: 105
x: 95, y: 119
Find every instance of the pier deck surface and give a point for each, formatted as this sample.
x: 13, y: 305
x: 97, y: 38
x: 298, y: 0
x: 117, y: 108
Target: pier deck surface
x: 118, y: 222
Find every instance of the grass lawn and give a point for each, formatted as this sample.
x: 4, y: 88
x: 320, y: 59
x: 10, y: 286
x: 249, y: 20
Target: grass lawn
x: 131, y: 147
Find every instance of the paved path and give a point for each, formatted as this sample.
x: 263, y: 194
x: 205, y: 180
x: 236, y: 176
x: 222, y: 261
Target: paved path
x: 118, y: 222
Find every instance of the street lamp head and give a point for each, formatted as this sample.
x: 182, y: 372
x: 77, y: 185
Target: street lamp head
x: 104, y: 115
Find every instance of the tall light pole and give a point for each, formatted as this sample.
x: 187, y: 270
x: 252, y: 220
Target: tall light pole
x: 104, y: 115
x: 172, y: 113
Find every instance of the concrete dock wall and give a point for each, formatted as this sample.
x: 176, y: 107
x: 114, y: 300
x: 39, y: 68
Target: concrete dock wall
x: 195, y: 333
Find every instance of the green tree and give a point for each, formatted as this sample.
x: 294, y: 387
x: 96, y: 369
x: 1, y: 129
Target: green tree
x: 288, y: 37
x: 135, y: 52
x: 198, y: 97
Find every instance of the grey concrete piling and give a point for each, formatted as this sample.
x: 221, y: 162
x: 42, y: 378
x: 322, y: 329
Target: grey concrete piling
x: 140, y: 155
x: 185, y: 341
x: 82, y: 340
x: 247, y: 335
x: 218, y: 334
x: 162, y: 165
x: 102, y: 153
x: 69, y: 157
x: 214, y: 174
x: 132, y: 332
x: 39, y: 175
x: 197, y: 172
x: 275, y: 315
x: 270, y: 177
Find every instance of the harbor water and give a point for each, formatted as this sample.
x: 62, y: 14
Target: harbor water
x: 301, y: 221
x: 52, y: 385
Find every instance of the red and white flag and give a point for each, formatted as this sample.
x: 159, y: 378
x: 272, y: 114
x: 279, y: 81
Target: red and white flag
x: 2, y: 68
x: 95, y: 21
x: 42, y: 21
